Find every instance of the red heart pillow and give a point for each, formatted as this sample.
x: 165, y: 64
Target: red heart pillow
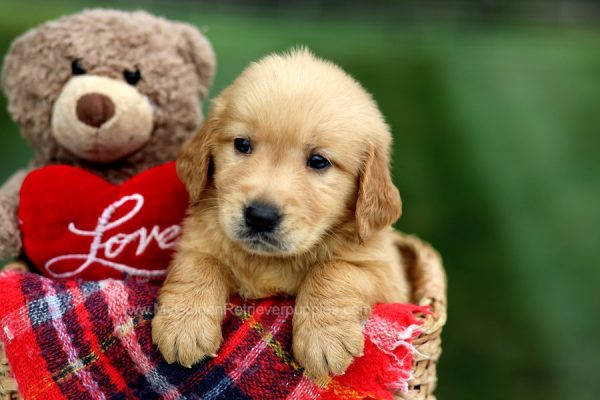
x: 77, y: 225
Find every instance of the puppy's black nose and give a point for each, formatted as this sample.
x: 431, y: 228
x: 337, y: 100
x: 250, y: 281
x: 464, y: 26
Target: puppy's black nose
x: 261, y: 217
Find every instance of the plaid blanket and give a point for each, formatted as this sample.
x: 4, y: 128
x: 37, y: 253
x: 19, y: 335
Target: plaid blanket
x: 76, y: 340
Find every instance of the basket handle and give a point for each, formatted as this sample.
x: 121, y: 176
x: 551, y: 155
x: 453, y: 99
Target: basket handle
x: 427, y: 277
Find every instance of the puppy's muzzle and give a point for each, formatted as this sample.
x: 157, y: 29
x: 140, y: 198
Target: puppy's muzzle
x: 262, y: 217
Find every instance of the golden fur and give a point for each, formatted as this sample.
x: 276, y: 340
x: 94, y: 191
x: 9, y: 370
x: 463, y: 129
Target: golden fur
x: 334, y: 247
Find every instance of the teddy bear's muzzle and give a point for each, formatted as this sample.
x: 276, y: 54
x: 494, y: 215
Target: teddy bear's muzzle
x: 101, y: 119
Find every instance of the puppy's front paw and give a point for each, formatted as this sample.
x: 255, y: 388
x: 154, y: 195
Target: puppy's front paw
x: 330, y: 348
x: 186, y: 339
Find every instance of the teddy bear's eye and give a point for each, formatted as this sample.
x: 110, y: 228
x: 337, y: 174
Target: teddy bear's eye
x: 77, y: 68
x: 132, y: 77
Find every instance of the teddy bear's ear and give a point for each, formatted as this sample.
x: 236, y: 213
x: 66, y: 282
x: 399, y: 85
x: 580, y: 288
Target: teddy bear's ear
x: 196, y: 49
x: 31, y: 79
x: 14, y: 80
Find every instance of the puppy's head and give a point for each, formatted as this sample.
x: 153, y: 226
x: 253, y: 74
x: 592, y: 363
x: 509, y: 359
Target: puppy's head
x: 295, y: 149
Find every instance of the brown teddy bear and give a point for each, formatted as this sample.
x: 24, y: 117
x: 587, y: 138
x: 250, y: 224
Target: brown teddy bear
x: 111, y: 92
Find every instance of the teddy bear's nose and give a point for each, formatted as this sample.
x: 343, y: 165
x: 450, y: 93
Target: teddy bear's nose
x: 94, y: 109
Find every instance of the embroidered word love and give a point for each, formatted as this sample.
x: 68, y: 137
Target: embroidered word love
x: 104, y: 249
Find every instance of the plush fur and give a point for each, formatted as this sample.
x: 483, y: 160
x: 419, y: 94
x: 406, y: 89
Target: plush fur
x: 334, y: 248
x: 151, y: 118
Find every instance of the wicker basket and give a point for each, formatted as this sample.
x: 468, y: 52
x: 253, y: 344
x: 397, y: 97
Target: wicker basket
x: 428, y: 280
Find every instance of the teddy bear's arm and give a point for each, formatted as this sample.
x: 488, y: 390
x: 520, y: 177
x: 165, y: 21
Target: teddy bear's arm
x: 10, y: 237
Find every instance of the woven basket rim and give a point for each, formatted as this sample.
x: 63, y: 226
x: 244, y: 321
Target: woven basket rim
x: 426, y: 274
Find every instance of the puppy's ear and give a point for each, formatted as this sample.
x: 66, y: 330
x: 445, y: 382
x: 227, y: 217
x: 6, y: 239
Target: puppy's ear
x: 378, y: 204
x: 193, y: 163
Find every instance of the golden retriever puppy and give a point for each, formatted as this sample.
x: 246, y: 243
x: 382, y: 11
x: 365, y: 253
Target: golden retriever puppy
x: 290, y: 195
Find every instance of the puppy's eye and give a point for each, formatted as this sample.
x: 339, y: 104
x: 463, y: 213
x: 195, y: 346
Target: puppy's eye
x: 242, y: 145
x: 317, y: 161
x: 132, y: 77
x: 77, y: 68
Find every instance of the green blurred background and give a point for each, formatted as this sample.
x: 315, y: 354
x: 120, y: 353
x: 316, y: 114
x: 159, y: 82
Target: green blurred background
x: 495, y: 108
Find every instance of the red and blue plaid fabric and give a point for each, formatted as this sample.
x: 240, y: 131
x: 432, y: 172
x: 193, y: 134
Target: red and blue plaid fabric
x: 91, y: 340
